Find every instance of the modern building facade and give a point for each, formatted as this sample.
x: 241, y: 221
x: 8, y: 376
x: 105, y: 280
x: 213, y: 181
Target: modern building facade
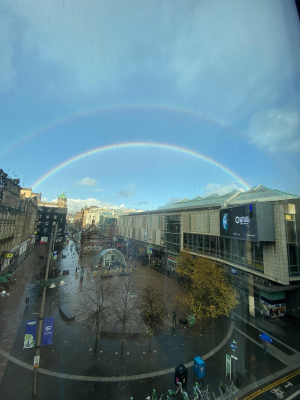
x: 254, y: 234
x: 50, y: 214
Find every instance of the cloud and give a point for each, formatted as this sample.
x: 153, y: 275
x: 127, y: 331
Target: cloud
x: 87, y: 182
x: 217, y: 188
x: 276, y: 129
x: 143, y: 202
x: 77, y: 204
x: 171, y: 201
x: 128, y: 191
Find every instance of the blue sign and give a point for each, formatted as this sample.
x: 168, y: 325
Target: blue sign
x: 233, y: 271
x: 48, y: 327
x: 30, y: 334
x: 233, y: 346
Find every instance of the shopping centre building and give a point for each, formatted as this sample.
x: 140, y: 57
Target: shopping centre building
x: 254, y: 234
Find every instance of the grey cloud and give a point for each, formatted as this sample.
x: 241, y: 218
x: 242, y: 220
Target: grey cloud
x: 128, y: 191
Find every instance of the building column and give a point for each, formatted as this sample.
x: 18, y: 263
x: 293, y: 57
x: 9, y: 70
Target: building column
x: 251, y: 295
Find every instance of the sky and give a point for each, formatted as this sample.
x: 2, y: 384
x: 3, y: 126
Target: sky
x: 139, y: 104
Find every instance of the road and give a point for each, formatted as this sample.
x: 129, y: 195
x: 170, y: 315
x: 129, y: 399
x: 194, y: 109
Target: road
x: 68, y: 369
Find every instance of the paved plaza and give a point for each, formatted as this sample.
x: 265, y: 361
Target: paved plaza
x: 69, y: 369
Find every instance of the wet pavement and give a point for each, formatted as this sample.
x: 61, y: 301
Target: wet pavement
x: 78, y: 373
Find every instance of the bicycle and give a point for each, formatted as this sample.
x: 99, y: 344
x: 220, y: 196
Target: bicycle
x: 279, y: 393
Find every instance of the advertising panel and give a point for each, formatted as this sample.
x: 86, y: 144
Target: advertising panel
x: 44, y: 239
x: 54, y: 255
x: 239, y: 222
x: 30, y: 334
x: 48, y: 327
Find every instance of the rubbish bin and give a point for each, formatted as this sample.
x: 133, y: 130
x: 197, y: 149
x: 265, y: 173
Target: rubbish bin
x: 199, y: 367
x: 181, y: 374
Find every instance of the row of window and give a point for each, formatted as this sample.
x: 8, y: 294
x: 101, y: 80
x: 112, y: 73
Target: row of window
x: 245, y: 253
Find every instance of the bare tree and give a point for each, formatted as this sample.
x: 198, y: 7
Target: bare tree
x: 152, y: 307
x: 95, y: 305
x: 124, y: 307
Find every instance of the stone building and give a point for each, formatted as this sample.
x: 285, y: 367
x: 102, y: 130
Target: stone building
x: 91, y: 239
x: 18, y: 221
x: 255, y: 234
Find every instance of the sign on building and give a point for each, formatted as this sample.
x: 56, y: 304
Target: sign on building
x: 254, y: 222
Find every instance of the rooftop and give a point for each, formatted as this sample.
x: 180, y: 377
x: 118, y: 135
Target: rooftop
x: 257, y: 193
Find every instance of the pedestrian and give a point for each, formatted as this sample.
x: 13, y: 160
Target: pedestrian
x: 271, y: 314
x: 265, y: 346
x: 262, y: 311
x: 174, y: 317
x: 276, y: 315
x: 27, y: 300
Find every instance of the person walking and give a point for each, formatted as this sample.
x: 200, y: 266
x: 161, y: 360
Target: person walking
x: 271, y: 314
x: 265, y: 346
x: 27, y: 300
x: 174, y: 317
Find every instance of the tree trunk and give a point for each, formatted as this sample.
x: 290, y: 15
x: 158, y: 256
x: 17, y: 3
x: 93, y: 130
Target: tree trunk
x: 150, y: 341
x: 122, y: 348
x: 96, y: 339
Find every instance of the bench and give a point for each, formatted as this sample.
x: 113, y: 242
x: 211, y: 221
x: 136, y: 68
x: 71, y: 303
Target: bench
x: 66, y: 313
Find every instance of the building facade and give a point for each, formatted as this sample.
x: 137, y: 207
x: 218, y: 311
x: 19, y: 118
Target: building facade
x: 18, y: 221
x: 50, y: 214
x: 254, y: 234
x: 91, y: 240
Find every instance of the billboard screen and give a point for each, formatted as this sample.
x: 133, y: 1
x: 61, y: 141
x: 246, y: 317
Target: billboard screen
x: 239, y: 222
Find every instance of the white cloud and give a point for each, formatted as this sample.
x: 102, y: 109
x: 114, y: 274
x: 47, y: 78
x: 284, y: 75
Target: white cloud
x: 217, y: 188
x: 128, y: 191
x: 276, y: 129
x: 87, y: 182
x: 77, y: 204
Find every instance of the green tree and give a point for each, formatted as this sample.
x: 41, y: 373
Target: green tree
x: 210, y: 294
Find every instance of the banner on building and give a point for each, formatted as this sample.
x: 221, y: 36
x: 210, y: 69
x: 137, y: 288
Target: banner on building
x: 30, y: 334
x: 48, y: 327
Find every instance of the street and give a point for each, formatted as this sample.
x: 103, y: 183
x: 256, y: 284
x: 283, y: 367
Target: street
x: 69, y: 369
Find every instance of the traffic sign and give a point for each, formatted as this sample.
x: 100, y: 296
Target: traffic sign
x: 234, y: 357
x: 233, y: 346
